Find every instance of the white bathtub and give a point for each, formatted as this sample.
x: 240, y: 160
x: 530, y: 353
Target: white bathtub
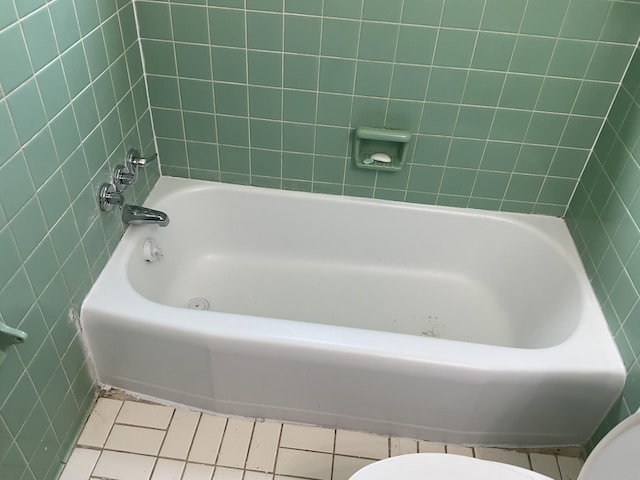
x: 446, y: 324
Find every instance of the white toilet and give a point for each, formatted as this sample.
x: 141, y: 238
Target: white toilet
x: 617, y: 457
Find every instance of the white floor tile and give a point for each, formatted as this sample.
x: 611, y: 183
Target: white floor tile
x: 145, y: 415
x: 431, y: 447
x: 124, y: 466
x: 125, y: 438
x: 264, y: 447
x: 235, y: 443
x: 300, y: 463
x: 257, y: 476
x: 569, y: 467
x: 344, y: 467
x: 460, y: 450
x: 168, y: 470
x: 545, y: 465
x: 80, y: 464
x: 206, y: 443
x: 100, y: 421
x: 359, y: 444
x: 224, y: 473
x: 195, y: 471
x: 402, y: 446
x: 180, y: 435
x: 500, y: 455
x: 305, y: 437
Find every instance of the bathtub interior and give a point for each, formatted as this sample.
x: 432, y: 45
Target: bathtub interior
x: 487, y: 279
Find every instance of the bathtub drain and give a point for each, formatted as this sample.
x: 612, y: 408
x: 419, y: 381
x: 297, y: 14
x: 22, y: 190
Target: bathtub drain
x: 198, y: 303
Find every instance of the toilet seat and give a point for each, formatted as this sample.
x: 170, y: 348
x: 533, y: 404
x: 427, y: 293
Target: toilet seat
x: 616, y: 456
x: 442, y: 466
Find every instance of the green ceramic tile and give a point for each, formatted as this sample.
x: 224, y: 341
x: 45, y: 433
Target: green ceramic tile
x: 265, y: 68
x: 378, y: 41
x: 9, y: 256
x: 594, y: 98
x: 300, y: 106
x: 532, y: 54
x: 172, y: 153
x: 557, y: 190
x: 39, y: 34
x: 266, y: 5
x: 382, y: 10
x: 373, y: 79
x: 301, y: 72
x: 7, y: 17
x: 227, y: 27
x: 41, y: 157
x: 409, y: 82
x: 265, y: 102
x: 334, y: 109
x: 26, y: 110
x: 545, y: 128
x: 474, y: 122
x: 88, y: 16
x: 462, y: 13
x: 297, y: 166
x: 500, y: 156
x: 163, y: 91
x: 96, y: 53
x: 190, y: 24
x: 524, y: 188
x: 622, y: 24
x: 200, y: 127
x: 9, y: 143
x: 302, y: 34
x: 129, y: 25
x: 558, y: 95
x: 423, y: 12
x: 53, y: 88
x: 307, y: 7
x: 265, y: 134
x: 571, y: 58
x: 416, y: 44
x: 493, y: 51
x: 457, y: 181
x: 233, y: 131
x: 425, y: 179
x: 266, y: 163
x: 431, y: 150
x: 465, y: 153
x: 168, y: 123
x: 202, y: 155
x: 585, y: 19
x: 65, y: 133
x: 491, y: 185
x: 194, y: 61
x: 609, y: 62
x: 581, y: 132
x: 298, y: 138
x: 76, y: 174
x: 339, y: 38
x: 15, y: 185
x: 154, y: 20
x: 230, y: 99
x: 337, y: 75
x: 568, y: 163
x: 439, y: 119
x: 113, y: 38
x: 483, y: 88
x: 446, y: 85
x: 234, y: 160
x: 544, y: 17
x: 404, y: 115
x: 13, y: 51
x: 454, y: 48
x: 503, y: 15
x: 342, y: 9
x: 229, y: 64
x: 328, y: 169
x: 534, y: 159
x: 19, y: 404
x: 264, y: 31
x: 331, y: 141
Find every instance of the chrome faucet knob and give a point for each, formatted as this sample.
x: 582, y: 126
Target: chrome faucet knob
x: 122, y: 177
x: 134, y: 160
x: 108, y: 196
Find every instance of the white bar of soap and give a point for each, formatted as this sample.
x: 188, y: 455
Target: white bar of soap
x: 381, y: 157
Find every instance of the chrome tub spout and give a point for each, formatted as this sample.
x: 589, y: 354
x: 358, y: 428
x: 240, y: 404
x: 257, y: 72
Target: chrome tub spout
x: 135, y: 215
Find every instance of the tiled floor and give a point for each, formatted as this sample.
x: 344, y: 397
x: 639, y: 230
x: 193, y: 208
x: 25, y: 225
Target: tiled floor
x: 130, y: 440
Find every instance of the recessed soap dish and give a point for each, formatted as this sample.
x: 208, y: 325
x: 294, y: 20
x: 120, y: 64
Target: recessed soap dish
x: 380, y: 149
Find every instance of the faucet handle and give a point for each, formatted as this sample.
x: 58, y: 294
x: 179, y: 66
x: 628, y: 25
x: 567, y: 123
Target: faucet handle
x: 134, y: 159
x: 108, y: 196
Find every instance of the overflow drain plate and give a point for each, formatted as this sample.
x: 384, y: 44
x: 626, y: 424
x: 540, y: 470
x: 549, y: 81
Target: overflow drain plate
x: 198, y: 303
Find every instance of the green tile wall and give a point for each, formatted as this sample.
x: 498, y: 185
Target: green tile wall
x: 505, y: 97
x: 604, y: 219
x: 71, y: 89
